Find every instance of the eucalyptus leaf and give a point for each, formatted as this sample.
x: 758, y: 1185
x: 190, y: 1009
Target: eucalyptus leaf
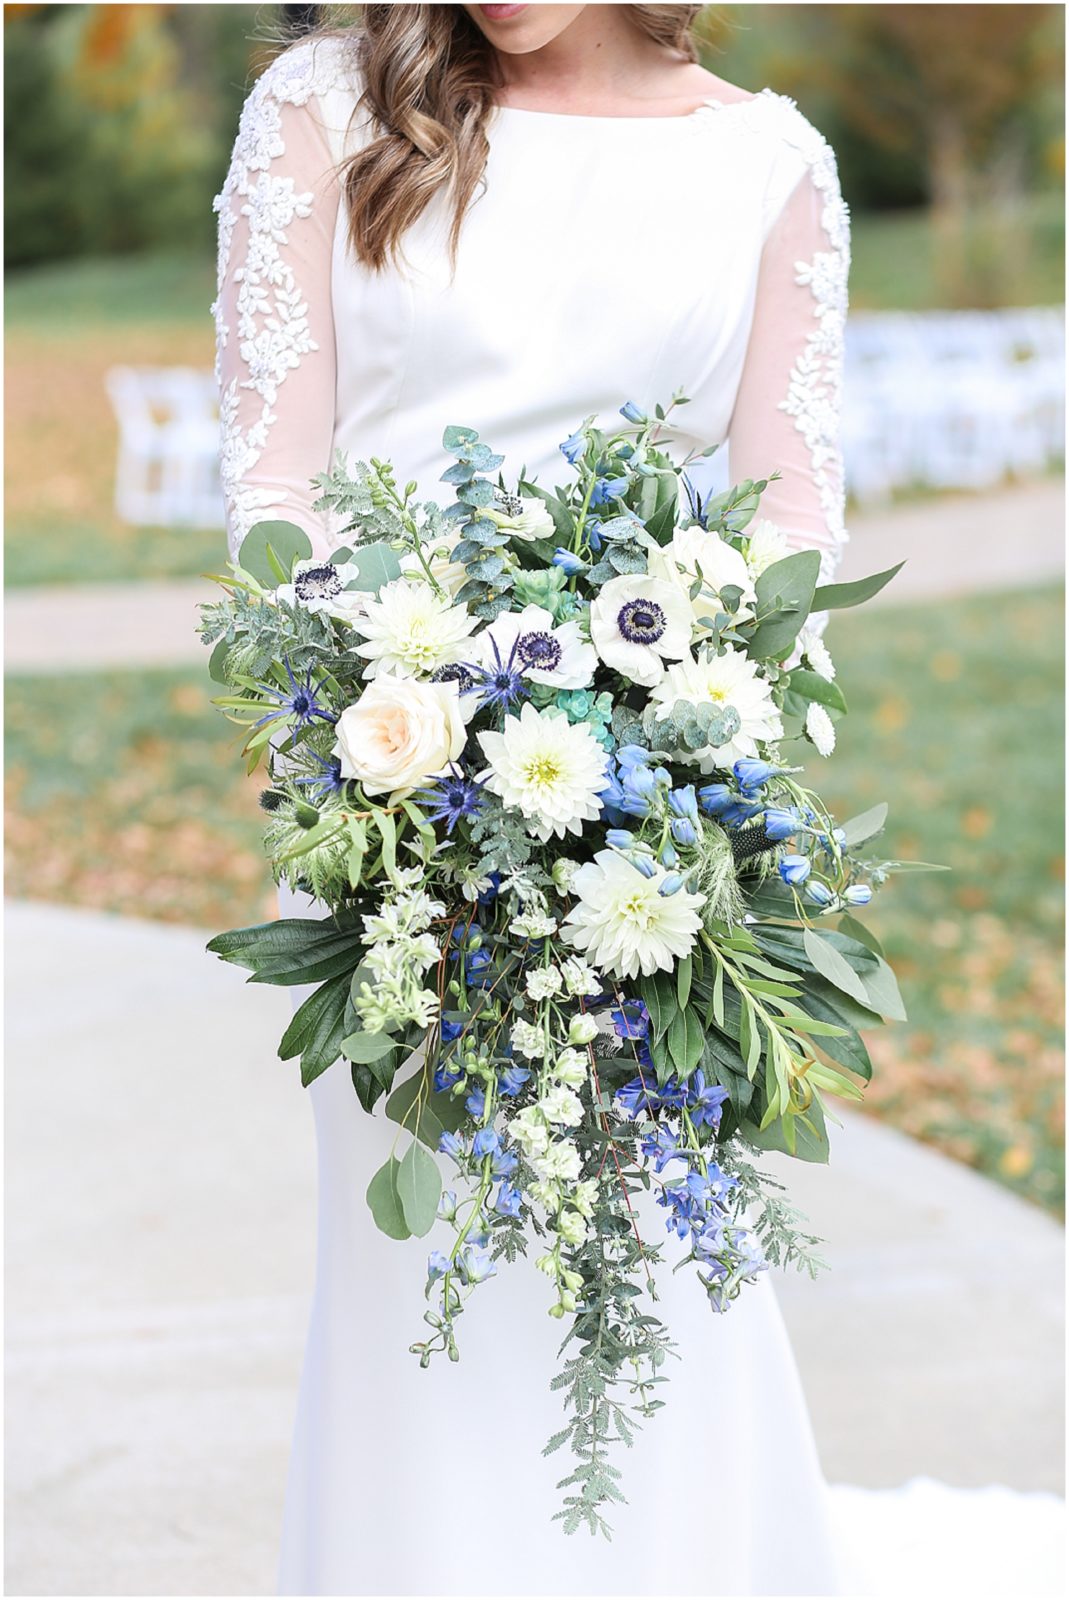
x: 419, y: 1185
x: 836, y: 596
x: 385, y: 1201
x: 288, y: 543
x: 376, y: 565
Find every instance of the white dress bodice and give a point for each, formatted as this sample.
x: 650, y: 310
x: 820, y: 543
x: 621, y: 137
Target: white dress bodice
x: 605, y: 259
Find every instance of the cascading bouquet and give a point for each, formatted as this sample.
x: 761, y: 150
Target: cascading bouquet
x: 588, y: 932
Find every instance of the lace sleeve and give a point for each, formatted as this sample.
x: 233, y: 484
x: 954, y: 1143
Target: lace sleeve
x: 275, y: 360
x: 787, y: 410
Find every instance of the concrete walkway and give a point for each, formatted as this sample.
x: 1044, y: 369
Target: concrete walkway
x: 160, y: 1257
x: 952, y: 545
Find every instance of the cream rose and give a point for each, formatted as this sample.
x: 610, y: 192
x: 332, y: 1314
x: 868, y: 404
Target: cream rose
x: 400, y: 733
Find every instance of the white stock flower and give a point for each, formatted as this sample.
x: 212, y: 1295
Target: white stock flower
x: 548, y: 768
x: 572, y: 1228
x: 694, y: 552
x: 399, y: 733
x: 730, y: 679
x: 636, y: 622
x: 543, y: 983
x: 560, y: 1160
x: 522, y: 516
x: 527, y: 1040
x: 765, y: 545
x: 530, y: 1130
x: 533, y: 925
x: 584, y: 1196
x: 545, y: 651
x: 410, y: 630
x: 625, y: 923
x: 580, y: 979
x: 562, y: 1105
x: 571, y: 1068
x: 820, y: 728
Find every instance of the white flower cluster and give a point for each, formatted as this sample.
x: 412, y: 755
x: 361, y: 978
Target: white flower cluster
x: 399, y: 951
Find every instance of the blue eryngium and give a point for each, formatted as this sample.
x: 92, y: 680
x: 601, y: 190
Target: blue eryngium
x: 858, y: 894
x: 795, y: 869
x: 780, y: 821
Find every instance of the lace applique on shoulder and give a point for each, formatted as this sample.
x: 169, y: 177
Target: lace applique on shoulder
x: 269, y: 308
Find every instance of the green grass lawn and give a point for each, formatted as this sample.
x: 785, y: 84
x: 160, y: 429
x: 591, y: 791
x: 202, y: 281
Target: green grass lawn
x: 125, y: 793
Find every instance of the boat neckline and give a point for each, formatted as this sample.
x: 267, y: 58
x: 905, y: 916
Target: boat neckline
x: 711, y: 103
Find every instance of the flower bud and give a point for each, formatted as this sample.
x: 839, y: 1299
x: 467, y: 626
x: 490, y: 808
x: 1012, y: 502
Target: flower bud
x: 582, y: 1029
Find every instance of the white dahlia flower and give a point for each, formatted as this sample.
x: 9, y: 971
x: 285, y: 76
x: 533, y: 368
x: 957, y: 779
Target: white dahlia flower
x: 523, y: 516
x: 636, y: 622
x: 729, y: 679
x: 820, y: 728
x: 624, y: 923
x: 548, y: 768
x: 765, y: 545
x: 410, y: 630
x: 693, y: 553
x: 545, y: 652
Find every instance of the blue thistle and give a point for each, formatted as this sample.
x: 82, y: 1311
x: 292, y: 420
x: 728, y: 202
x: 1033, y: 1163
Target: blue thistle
x: 453, y: 796
x: 297, y: 701
x: 501, y: 685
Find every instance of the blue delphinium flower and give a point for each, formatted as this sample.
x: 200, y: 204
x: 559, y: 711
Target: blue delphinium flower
x: 683, y: 831
x: 493, y: 884
x: 474, y: 1265
x: 504, y: 1163
x: 573, y: 447
x: 475, y: 966
x: 795, y: 869
x: 734, y: 815
x: 437, y: 1265
x: 450, y: 1145
x: 631, y: 1020
x: 661, y: 1145
x: 476, y: 1102
x: 706, y: 1102
x: 512, y: 1080
x: 486, y: 1142
x: 780, y: 821
x: 507, y: 1203
x: 639, y: 1094
x: 716, y: 798
x: 858, y: 894
x: 446, y: 1076
x: 606, y: 489
x: 752, y: 775
x: 454, y: 795
x: 297, y: 701
x: 569, y: 563
x: 450, y: 1030
x: 633, y: 412
x: 819, y: 893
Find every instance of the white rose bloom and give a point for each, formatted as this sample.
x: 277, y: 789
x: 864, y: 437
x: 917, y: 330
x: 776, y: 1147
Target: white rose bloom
x: 524, y: 517
x: 636, y: 622
x: 450, y: 574
x: 820, y: 728
x: 545, y: 652
x: 399, y: 734
x: 765, y: 545
x: 625, y: 924
x: 720, y: 564
x: 320, y: 586
x: 410, y: 630
x: 728, y: 679
x: 548, y: 768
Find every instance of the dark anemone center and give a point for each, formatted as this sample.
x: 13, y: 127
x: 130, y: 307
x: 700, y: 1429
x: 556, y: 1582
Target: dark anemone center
x: 318, y: 583
x: 510, y: 504
x: 539, y: 650
x: 641, y: 622
x: 453, y: 672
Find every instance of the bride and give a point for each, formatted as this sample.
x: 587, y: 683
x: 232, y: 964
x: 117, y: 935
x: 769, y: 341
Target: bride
x: 511, y: 217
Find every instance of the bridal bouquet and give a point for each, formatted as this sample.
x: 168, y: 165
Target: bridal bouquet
x: 588, y: 930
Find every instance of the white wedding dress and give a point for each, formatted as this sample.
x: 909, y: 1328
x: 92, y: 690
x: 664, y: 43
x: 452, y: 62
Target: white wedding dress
x: 607, y: 259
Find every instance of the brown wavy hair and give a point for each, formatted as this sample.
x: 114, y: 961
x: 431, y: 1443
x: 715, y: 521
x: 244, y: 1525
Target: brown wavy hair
x: 429, y: 79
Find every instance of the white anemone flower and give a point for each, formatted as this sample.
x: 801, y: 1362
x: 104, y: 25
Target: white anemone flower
x: 410, y: 630
x: 636, y: 622
x: 545, y: 652
x: 695, y: 553
x: 624, y: 924
x: 320, y: 586
x: 729, y: 679
x: 766, y: 544
x: 522, y: 516
x: 548, y: 768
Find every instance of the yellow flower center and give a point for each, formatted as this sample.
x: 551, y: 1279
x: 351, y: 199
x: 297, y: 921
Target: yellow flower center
x: 543, y: 769
x: 636, y: 908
